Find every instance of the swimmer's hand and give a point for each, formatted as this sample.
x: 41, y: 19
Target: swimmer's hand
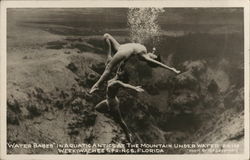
x: 139, y: 89
x: 148, y: 57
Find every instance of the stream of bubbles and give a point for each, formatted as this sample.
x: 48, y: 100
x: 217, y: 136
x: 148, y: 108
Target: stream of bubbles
x: 143, y: 25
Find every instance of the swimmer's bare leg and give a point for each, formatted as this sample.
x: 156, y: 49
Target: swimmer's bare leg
x: 115, y: 60
x: 103, y: 77
x: 112, y: 41
x: 109, y: 50
x: 121, y: 67
x: 125, y: 128
x: 120, y: 70
x: 118, y: 119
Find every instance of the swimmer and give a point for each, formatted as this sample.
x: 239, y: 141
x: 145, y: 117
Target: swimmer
x: 121, y: 53
x: 112, y: 105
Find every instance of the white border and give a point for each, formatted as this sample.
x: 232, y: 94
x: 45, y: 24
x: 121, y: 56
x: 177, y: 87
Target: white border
x: 84, y: 4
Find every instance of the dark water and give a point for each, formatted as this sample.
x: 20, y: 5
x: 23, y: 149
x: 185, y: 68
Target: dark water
x: 206, y: 33
x: 173, y: 19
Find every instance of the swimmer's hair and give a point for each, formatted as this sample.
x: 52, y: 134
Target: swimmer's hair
x: 153, y: 65
x: 123, y: 76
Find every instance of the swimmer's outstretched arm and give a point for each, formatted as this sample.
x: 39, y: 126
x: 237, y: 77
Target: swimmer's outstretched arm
x: 125, y: 85
x: 147, y: 58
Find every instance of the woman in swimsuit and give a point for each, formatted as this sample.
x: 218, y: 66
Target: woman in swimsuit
x: 122, y: 54
x: 111, y: 103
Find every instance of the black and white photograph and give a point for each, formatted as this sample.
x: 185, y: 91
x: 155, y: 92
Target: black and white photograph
x: 125, y: 80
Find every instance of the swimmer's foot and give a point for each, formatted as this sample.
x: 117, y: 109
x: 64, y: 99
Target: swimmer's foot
x: 93, y: 89
x: 130, y: 138
x: 178, y: 72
